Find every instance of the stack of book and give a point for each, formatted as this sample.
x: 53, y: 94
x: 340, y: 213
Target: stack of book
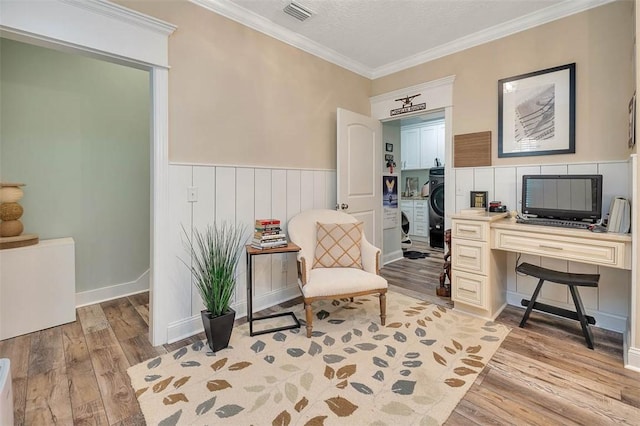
x: 268, y: 234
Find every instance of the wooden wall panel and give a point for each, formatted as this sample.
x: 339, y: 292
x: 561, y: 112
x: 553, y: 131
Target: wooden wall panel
x: 472, y: 149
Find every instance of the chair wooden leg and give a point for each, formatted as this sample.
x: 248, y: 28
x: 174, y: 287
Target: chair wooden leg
x: 309, y: 317
x: 383, y: 308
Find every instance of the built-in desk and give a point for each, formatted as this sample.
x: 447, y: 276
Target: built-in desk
x: 578, y: 245
x: 478, y: 266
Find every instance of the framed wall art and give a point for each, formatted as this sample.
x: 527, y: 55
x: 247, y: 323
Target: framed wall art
x: 537, y: 113
x: 388, y: 147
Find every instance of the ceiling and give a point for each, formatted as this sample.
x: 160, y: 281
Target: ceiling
x: 378, y: 37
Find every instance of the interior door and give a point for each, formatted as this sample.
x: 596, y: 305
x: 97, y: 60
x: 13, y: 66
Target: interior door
x: 359, y: 171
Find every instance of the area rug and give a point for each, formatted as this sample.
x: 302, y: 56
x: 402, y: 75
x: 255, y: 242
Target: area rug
x: 351, y: 371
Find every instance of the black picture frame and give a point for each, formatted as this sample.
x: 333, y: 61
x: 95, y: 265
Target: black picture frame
x: 537, y: 113
x: 388, y: 147
x: 478, y: 199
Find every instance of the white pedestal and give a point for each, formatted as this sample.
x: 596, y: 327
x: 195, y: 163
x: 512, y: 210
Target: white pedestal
x: 37, y: 287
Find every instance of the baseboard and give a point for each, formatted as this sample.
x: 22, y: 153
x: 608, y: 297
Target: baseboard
x: 186, y: 327
x: 603, y: 319
x: 103, y: 294
x: 392, y: 257
x: 631, y: 357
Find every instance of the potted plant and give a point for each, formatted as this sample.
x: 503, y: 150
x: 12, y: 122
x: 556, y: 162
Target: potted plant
x: 215, y: 253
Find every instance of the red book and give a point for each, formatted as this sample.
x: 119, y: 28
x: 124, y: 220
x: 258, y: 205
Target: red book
x: 261, y: 223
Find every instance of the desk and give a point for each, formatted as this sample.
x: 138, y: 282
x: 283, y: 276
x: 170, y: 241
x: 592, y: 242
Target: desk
x: 479, y: 243
x: 252, y: 251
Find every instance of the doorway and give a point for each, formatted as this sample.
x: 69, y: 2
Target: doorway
x: 418, y: 151
x: 76, y: 132
x: 98, y: 31
x: 421, y: 264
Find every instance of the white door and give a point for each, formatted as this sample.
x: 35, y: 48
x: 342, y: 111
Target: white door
x: 359, y: 171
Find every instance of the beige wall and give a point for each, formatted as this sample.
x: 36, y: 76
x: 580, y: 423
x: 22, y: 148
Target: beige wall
x: 600, y: 41
x: 240, y: 97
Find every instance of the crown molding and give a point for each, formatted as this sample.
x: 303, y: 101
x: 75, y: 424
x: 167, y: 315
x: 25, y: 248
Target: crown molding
x: 123, y: 14
x: 508, y: 28
x: 252, y: 20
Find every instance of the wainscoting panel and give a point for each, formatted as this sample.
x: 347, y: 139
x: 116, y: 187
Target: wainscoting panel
x: 180, y: 178
x: 238, y: 195
x: 245, y: 206
x: 609, y: 302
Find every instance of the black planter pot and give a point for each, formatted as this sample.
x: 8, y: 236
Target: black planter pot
x: 218, y: 329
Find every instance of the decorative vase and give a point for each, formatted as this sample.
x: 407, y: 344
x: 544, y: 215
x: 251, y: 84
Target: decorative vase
x: 10, y: 210
x: 218, y: 329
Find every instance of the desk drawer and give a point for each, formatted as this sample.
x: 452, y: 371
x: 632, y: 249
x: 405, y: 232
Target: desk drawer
x: 470, y: 256
x: 471, y: 230
x: 469, y: 288
x: 605, y: 253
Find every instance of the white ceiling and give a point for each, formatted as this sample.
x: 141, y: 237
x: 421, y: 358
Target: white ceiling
x: 378, y: 37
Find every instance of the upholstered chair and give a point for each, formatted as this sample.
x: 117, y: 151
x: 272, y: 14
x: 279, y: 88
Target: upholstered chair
x: 336, y: 260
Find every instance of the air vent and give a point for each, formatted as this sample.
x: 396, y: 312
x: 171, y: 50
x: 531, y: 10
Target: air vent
x: 297, y: 11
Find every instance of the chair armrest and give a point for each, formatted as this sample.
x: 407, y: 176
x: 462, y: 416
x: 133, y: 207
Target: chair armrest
x: 370, y: 257
x: 303, y: 272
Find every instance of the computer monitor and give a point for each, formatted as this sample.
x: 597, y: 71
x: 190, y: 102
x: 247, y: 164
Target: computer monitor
x: 567, y: 197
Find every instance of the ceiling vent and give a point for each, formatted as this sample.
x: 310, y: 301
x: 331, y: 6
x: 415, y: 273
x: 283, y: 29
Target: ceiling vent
x: 297, y: 11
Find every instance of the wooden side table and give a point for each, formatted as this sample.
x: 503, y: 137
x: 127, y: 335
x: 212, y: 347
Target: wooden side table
x: 252, y: 251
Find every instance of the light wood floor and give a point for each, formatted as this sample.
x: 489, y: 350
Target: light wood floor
x: 543, y: 374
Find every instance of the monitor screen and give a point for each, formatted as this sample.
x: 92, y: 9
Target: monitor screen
x: 570, y: 197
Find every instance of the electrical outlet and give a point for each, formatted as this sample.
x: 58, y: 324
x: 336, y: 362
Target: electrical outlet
x: 192, y: 194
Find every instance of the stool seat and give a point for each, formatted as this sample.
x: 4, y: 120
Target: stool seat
x: 569, y: 279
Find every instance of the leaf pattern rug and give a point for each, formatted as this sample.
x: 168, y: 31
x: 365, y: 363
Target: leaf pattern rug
x: 352, y: 371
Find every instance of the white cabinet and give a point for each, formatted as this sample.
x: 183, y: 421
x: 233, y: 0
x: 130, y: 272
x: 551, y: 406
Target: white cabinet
x: 420, y: 218
x: 37, y: 287
x: 417, y: 212
x: 421, y: 145
x: 410, y: 148
x: 477, y: 272
x: 407, y: 208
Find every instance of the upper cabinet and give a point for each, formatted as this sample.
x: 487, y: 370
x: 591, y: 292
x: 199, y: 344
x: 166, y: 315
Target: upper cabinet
x: 410, y: 148
x: 421, y: 145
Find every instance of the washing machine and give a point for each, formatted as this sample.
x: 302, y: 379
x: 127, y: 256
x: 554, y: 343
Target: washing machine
x: 436, y: 207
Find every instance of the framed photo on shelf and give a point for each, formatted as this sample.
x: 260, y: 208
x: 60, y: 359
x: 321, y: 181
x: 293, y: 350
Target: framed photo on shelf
x: 537, y: 113
x: 478, y: 199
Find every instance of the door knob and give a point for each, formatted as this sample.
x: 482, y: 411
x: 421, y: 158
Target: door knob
x: 344, y: 206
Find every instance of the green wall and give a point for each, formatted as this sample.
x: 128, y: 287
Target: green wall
x: 77, y: 131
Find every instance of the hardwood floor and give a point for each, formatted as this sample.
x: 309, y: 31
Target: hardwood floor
x: 541, y: 375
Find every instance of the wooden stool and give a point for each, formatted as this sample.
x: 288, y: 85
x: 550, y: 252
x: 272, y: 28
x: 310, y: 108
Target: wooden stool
x: 445, y: 290
x: 572, y: 280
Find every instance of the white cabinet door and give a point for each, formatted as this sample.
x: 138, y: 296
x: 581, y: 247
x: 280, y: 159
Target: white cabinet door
x: 428, y: 146
x: 410, y: 149
x: 407, y: 209
x: 421, y: 216
x: 440, y: 142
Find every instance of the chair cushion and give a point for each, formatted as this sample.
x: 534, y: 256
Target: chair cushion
x: 340, y: 281
x: 338, y: 245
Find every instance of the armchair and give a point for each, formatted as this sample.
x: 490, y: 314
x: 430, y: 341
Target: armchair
x: 317, y: 282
